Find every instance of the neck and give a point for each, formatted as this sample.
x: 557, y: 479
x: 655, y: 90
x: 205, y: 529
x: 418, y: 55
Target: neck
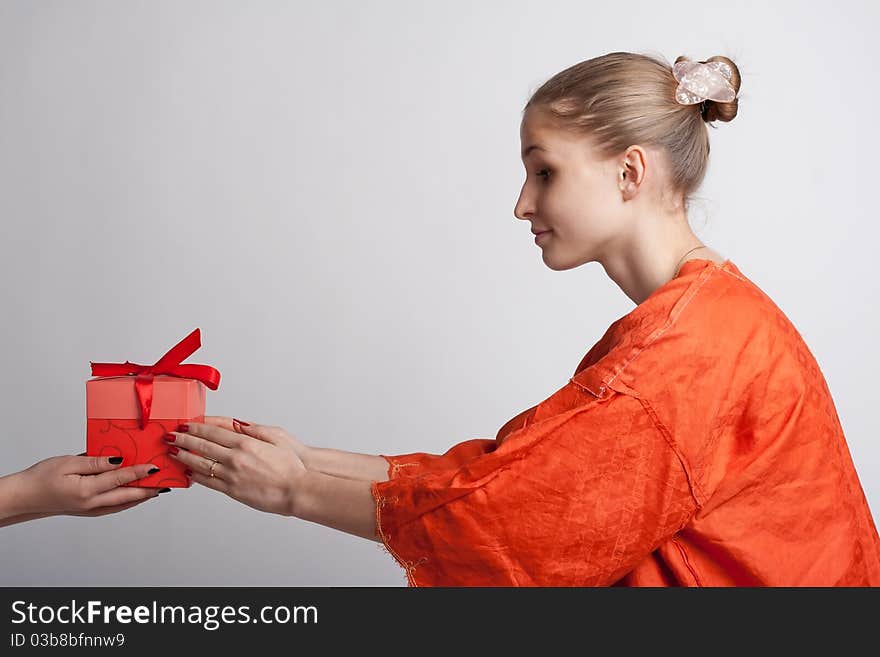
x: 651, y: 255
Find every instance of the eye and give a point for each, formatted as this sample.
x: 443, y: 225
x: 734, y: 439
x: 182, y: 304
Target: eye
x: 543, y: 172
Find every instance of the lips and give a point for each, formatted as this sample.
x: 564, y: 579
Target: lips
x: 538, y: 232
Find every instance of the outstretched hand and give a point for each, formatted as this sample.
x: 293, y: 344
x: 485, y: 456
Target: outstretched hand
x: 258, y: 465
x: 80, y: 486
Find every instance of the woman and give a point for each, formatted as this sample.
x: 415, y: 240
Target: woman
x: 696, y: 443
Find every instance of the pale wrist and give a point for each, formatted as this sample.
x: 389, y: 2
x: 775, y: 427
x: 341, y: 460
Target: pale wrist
x: 13, y: 496
x: 307, y: 456
x: 299, y: 493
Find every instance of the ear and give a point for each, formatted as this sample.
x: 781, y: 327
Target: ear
x: 632, y: 170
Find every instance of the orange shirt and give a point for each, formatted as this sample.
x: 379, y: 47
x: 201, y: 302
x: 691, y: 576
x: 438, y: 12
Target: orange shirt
x: 696, y: 444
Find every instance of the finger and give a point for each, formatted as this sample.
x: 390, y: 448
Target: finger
x: 195, y: 462
x: 119, y: 477
x: 210, y: 482
x: 89, y: 465
x: 199, y: 445
x: 228, y: 423
x: 122, y: 495
x: 218, y: 435
x: 262, y: 432
x: 221, y: 421
x: 104, y: 510
x: 238, y: 424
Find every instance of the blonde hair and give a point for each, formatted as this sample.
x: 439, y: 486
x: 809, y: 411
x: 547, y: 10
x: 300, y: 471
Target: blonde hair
x: 623, y: 98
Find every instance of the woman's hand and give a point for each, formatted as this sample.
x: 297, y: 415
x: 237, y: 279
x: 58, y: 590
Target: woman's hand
x: 75, y: 485
x: 302, y: 450
x: 255, y: 464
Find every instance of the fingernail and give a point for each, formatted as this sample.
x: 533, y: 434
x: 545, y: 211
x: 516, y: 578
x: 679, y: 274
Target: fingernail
x: 183, y: 428
x: 173, y: 450
x: 115, y: 460
x: 244, y: 424
x: 152, y: 470
x: 164, y: 490
x: 188, y: 472
x: 170, y: 437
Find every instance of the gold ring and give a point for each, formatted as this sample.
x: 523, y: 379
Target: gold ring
x: 211, y: 471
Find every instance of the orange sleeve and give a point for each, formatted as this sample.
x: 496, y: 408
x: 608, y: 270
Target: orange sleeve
x: 417, y: 463
x: 575, y: 498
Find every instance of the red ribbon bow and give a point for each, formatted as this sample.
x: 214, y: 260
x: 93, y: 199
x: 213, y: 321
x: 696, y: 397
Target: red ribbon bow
x: 168, y: 364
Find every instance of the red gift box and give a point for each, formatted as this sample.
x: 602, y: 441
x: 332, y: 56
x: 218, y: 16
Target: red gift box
x: 130, y: 407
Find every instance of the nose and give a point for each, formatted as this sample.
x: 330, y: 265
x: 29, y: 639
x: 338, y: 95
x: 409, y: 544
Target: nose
x: 523, y: 208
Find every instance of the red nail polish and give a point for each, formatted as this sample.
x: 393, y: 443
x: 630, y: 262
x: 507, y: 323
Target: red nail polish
x: 170, y: 437
x: 244, y: 424
x: 188, y: 472
x: 183, y: 428
x: 173, y: 450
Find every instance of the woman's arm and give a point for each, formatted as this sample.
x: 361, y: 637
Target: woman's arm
x: 335, y: 462
x: 261, y: 466
x: 72, y: 485
x: 12, y: 508
x: 350, y: 465
x: 12, y: 520
x: 344, y: 504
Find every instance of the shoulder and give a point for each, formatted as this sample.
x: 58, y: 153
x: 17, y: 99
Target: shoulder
x: 732, y: 321
x: 726, y: 312
x: 714, y: 319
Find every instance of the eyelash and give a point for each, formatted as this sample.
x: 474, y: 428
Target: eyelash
x: 547, y: 171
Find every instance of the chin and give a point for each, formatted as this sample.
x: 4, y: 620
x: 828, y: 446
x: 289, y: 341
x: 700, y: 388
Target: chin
x: 561, y: 265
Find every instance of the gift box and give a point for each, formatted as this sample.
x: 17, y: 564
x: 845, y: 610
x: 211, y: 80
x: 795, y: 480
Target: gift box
x: 130, y: 407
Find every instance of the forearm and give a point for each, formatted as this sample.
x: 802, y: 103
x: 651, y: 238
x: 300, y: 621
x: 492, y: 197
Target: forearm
x: 350, y: 465
x: 338, y: 503
x: 11, y: 520
x: 13, y: 507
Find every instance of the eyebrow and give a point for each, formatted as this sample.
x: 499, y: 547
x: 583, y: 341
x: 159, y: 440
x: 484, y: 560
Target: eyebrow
x: 529, y: 149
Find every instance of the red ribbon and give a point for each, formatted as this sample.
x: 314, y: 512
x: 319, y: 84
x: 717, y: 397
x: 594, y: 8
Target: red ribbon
x: 168, y: 364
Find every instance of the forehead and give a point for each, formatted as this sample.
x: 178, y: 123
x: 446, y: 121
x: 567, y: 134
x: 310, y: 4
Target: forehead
x: 534, y: 129
x: 538, y: 134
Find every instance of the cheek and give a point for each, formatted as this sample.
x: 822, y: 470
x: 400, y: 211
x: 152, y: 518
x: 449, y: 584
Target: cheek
x: 596, y: 209
x: 587, y: 218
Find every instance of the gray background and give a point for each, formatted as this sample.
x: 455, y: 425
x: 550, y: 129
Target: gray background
x: 327, y: 191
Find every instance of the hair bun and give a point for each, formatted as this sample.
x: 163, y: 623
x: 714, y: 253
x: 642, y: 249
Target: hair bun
x: 714, y: 110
